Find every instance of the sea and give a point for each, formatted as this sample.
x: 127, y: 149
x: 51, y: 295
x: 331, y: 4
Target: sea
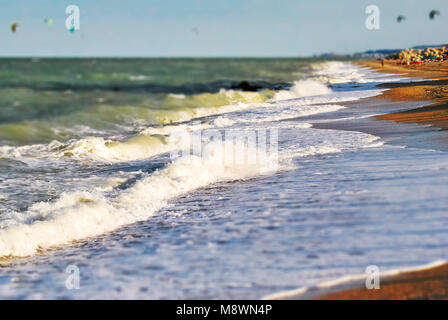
x: 206, y: 179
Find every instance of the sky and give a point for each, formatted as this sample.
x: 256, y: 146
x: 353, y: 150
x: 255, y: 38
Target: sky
x: 227, y: 28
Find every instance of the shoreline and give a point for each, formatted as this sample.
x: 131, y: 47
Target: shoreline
x: 435, y: 113
x: 362, y: 109
x: 414, y: 114
x: 432, y: 115
x: 429, y: 283
x: 395, y: 284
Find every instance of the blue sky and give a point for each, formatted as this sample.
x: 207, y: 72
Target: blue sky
x: 149, y: 28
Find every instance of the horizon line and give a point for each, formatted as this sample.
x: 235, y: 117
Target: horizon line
x: 160, y: 57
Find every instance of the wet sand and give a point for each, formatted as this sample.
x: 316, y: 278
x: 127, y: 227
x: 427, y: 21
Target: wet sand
x: 433, y: 112
x: 436, y: 112
x: 425, y: 284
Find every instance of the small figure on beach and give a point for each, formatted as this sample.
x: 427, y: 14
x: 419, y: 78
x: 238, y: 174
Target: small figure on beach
x: 382, y: 62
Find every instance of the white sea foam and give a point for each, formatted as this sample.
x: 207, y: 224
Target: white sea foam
x: 303, y: 88
x: 223, y: 122
x: 341, y: 72
x: 317, y: 142
x: 81, y: 215
x: 140, y: 77
x: 157, y: 140
x: 138, y: 147
x: 306, y: 97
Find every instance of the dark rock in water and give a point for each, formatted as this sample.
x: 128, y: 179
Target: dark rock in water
x: 246, y: 86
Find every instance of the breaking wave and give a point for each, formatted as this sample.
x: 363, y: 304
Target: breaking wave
x: 86, y: 213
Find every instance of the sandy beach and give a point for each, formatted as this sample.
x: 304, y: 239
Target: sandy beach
x: 435, y: 113
x: 430, y: 283
x: 425, y: 284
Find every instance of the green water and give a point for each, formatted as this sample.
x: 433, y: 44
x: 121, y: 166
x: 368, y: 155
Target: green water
x: 42, y: 100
